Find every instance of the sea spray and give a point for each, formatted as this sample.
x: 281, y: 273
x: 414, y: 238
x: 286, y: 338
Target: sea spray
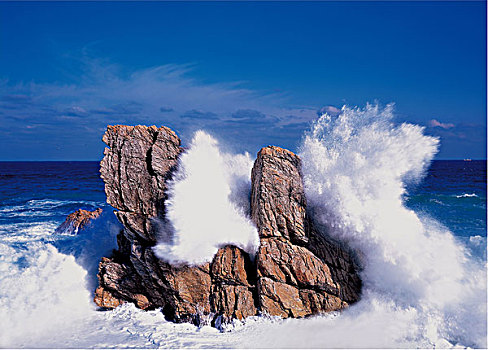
x: 41, y: 291
x: 207, y: 205
x: 45, y: 303
x: 47, y: 279
x: 45, y: 300
x: 356, y: 167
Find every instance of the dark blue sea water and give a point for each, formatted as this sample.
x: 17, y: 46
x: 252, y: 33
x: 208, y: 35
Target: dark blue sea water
x: 35, y: 198
x: 454, y: 194
x: 47, y: 279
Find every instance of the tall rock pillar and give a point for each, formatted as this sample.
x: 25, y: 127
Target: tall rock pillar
x: 299, y: 272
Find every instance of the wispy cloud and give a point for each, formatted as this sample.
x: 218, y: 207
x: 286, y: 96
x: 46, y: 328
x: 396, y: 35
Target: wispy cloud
x: 103, y: 93
x: 330, y: 110
x: 435, y: 123
x: 196, y: 114
x: 460, y: 140
x: 166, y: 109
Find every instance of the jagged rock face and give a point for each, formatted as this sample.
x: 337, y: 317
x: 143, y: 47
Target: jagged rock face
x: 135, y: 169
x: 220, y: 290
x: 118, y: 279
x: 234, y: 289
x: 77, y: 221
x: 278, y: 200
x: 299, y: 271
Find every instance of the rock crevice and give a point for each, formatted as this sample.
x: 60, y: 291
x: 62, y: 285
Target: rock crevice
x: 296, y: 271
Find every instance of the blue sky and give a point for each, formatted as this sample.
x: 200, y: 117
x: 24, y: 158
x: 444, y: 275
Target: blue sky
x: 252, y: 73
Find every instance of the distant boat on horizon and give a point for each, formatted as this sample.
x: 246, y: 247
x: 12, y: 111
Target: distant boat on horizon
x: 467, y: 159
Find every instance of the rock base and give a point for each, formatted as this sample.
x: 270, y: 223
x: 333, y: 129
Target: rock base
x: 297, y: 271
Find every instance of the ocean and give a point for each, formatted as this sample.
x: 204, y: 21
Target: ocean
x: 420, y: 224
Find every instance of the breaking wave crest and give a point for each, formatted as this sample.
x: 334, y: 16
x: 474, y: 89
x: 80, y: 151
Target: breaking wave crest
x: 421, y: 286
x: 207, y: 205
x: 466, y: 195
x: 41, y: 290
x: 356, y: 167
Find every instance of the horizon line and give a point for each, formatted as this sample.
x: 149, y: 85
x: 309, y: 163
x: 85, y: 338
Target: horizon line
x: 99, y: 160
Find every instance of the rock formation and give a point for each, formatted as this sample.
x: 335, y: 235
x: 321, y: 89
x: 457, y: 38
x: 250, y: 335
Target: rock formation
x: 77, y: 221
x: 135, y: 169
x: 297, y: 272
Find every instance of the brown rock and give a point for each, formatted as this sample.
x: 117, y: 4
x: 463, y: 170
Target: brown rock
x: 77, y: 221
x: 294, y: 265
x: 278, y: 200
x: 136, y: 165
x: 300, y: 272
x: 105, y: 299
x: 117, y: 282
x: 297, y: 271
x: 135, y: 169
x: 280, y: 299
x: 233, y: 289
x: 232, y: 301
x: 192, y: 291
x: 229, y: 266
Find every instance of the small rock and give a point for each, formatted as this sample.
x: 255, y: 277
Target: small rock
x: 77, y: 221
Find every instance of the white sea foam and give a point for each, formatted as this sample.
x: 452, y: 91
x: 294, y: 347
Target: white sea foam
x: 207, y: 204
x: 27, y: 231
x: 421, y: 289
x: 41, y: 290
x: 476, y: 240
x: 356, y: 167
x: 45, y: 303
x: 46, y: 292
x: 42, y: 207
x: 467, y: 195
x: 56, y: 203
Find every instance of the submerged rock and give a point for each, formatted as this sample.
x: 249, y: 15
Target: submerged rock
x: 297, y: 271
x: 77, y: 221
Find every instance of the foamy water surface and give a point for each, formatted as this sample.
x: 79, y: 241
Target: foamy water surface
x: 422, y: 242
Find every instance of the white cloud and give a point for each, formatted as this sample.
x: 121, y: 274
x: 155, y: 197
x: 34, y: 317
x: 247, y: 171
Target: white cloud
x: 330, y: 110
x: 435, y: 123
